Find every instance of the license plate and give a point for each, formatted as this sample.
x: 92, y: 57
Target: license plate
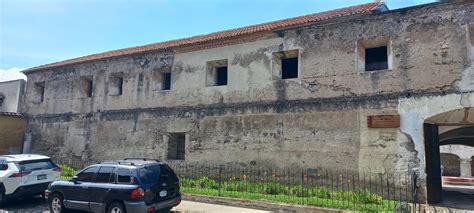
x: 41, y: 177
x: 163, y: 193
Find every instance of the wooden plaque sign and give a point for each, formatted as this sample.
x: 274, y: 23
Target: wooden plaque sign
x: 383, y: 121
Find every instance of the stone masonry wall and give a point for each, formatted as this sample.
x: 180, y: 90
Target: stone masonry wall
x: 316, y: 120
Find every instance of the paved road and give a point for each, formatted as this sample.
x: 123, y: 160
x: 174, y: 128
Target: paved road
x: 195, y: 207
x: 38, y: 205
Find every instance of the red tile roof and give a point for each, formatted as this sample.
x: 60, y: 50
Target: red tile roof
x: 227, y: 34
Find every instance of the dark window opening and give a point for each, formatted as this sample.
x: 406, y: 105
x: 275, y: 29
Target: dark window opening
x: 289, y: 68
x: 39, y: 88
x: 167, y: 81
x: 176, y: 146
x: 221, y: 76
x: 42, y: 94
x: 1, y: 100
x: 90, y: 90
x: 120, y: 85
x: 376, y: 58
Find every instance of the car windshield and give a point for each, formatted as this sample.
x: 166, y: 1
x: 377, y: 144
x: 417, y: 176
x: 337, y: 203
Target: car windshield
x: 36, y: 165
x: 149, y: 174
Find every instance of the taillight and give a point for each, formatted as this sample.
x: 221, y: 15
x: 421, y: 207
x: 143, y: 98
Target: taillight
x: 178, y: 201
x: 137, y: 193
x: 57, y: 169
x: 150, y: 210
x: 20, y: 174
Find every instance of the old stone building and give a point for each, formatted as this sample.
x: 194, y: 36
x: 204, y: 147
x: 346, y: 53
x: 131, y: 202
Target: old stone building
x: 11, y: 95
x: 361, y: 88
x: 12, y: 124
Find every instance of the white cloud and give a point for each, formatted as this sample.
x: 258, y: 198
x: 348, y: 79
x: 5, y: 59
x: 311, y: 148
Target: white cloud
x: 11, y: 74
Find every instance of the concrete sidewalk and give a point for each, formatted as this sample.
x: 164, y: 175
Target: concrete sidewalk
x: 195, y: 207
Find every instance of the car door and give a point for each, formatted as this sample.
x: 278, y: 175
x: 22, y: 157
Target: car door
x: 77, y: 195
x: 101, y: 188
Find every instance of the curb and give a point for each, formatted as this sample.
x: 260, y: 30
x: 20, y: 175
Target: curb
x: 261, y: 205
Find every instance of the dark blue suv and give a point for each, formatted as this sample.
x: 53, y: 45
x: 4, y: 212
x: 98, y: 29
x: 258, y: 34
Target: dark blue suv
x: 130, y: 185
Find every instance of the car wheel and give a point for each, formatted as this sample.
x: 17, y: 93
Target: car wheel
x: 56, y: 204
x: 116, y: 207
x: 3, y: 199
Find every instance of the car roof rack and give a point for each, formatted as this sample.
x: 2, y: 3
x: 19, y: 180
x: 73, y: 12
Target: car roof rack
x: 142, y: 159
x: 116, y: 162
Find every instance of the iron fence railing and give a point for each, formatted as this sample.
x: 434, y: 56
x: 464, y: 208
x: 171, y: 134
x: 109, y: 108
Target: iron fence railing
x: 361, y: 191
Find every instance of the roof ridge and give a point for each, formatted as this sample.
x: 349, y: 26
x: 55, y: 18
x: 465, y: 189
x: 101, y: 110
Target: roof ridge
x: 213, y: 36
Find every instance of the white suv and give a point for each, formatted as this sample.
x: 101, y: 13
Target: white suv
x: 25, y: 175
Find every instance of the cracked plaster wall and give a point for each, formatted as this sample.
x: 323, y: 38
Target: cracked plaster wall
x: 317, y: 120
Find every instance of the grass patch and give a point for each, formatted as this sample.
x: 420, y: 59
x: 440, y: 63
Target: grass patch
x: 291, y: 194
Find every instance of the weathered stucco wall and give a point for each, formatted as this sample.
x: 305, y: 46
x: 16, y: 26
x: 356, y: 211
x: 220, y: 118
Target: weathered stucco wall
x: 317, y: 120
x: 12, y: 94
x: 12, y: 128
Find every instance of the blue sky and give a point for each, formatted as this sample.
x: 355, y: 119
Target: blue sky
x: 35, y: 32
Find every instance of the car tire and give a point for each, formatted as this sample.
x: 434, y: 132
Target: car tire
x: 3, y: 199
x: 116, y: 207
x: 56, y: 203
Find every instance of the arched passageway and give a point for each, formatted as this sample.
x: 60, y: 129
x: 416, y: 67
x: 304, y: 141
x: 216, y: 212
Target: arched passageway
x: 450, y: 165
x: 449, y: 129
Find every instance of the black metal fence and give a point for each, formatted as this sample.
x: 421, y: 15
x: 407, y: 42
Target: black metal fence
x: 361, y: 191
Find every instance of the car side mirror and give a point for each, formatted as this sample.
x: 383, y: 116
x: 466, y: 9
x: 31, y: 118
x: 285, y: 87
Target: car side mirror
x: 74, y: 179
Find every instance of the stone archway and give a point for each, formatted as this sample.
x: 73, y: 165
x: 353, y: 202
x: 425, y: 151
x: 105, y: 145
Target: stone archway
x: 419, y: 115
x: 450, y: 164
x: 463, y: 152
x: 455, y: 127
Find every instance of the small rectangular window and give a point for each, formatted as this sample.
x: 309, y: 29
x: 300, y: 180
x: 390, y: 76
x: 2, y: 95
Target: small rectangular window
x: 217, y: 73
x: 90, y: 86
x: 376, y: 58
x: 116, y: 84
x: 87, y: 86
x: 221, y: 77
x: 166, y: 85
x: 471, y: 41
x: 39, y: 92
x: 177, y: 146
x: 120, y: 86
x: 289, y: 68
x: 285, y: 64
x: 374, y: 54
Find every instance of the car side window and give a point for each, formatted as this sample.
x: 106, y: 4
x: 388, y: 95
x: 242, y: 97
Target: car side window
x: 88, y: 174
x: 105, y: 175
x: 124, y: 176
x: 3, y: 165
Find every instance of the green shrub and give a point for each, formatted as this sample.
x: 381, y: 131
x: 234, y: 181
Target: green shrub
x: 67, y: 172
x: 206, y: 182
